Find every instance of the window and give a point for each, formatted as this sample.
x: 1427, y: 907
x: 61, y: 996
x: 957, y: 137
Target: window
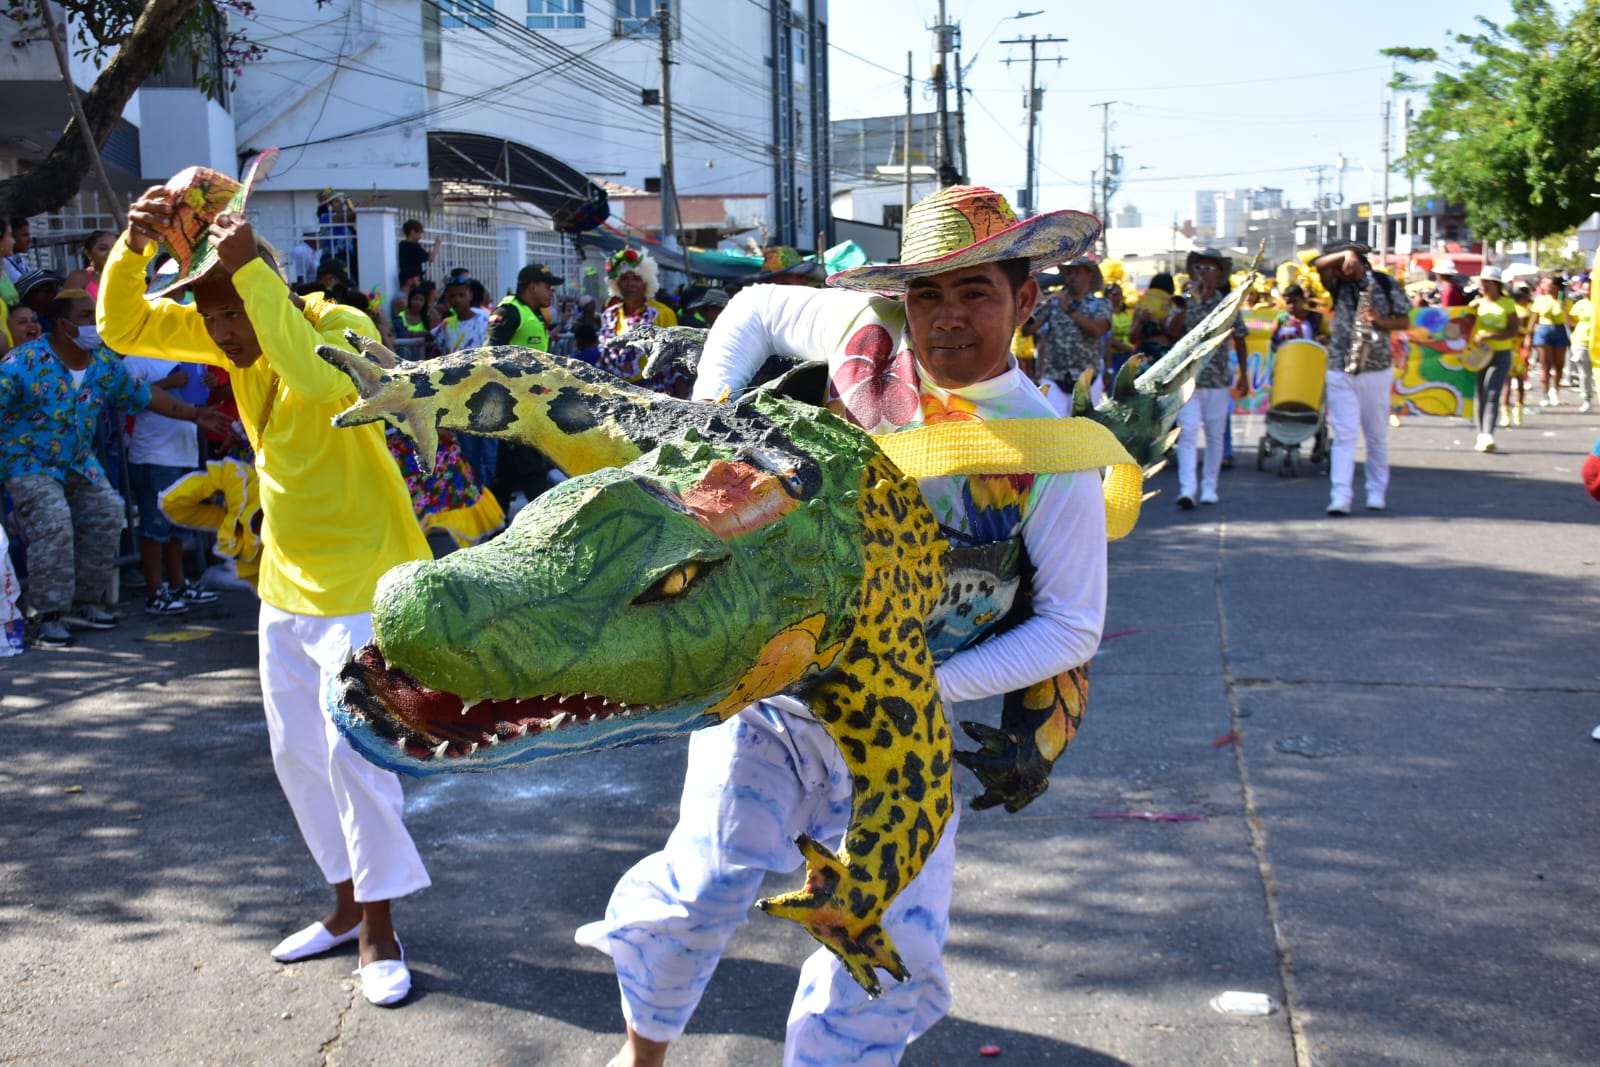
x: 478, y: 14
x: 555, y: 14
x: 634, y: 16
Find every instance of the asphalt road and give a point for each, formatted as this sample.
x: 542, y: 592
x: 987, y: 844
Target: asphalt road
x: 1383, y: 721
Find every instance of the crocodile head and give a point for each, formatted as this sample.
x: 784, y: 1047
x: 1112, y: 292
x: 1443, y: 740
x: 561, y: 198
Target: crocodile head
x: 625, y: 604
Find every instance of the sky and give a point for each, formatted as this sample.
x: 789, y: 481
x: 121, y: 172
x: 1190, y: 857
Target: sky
x: 1207, y: 96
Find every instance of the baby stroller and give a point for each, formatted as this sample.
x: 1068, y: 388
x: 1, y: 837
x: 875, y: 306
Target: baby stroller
x: 1294, y: 408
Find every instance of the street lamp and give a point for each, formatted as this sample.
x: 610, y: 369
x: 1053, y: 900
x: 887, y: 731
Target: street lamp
x: 966, y: 70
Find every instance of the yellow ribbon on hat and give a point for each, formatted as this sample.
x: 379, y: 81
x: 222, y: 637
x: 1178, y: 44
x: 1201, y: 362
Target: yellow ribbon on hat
x: 1024, y: 446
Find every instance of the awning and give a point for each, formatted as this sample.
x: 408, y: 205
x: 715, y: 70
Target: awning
x: 708, y: 262
x: 573, y: 202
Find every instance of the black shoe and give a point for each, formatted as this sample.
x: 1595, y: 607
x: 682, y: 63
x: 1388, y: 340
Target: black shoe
x: 193, y: 594
x: 1186, y: 503
x: 165, y: 602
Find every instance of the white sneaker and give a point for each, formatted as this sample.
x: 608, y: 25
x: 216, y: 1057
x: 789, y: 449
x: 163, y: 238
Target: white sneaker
x: 1208, y: 497
x: 1339, y: 505
x: 1485, y: 443
x: 1585, y: 407
x: 1376, y: 503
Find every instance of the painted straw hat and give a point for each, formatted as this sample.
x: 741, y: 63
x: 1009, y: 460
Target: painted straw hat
x: 202, y: 195
x: 969, y: 225
x: 779, y: 260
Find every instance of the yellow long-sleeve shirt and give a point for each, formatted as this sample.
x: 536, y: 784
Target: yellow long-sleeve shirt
x: 336, y: 511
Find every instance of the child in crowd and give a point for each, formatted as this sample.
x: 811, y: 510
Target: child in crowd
x: 161, y: 451
x: 464, y: 324
x: 1147, y: 331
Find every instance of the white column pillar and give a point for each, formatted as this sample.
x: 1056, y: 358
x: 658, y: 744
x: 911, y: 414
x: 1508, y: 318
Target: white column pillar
x: 378, y: 250
x: 513, y: 257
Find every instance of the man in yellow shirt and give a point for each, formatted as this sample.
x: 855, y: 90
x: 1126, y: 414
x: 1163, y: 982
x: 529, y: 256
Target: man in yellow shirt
x: 337, y: 516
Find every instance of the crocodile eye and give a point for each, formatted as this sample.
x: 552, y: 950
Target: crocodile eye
x: 677, y: 581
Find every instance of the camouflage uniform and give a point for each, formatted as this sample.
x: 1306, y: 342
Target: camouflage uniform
x: 72, y: 532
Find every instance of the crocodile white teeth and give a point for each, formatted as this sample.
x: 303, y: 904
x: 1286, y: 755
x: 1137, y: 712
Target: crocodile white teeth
x: 439, y: 749
x: 468, y: 705
x: 473, y: 747
x: 522, y: 729
x: 560, y: 717
x: 491, y: 739
x: 563, y: 698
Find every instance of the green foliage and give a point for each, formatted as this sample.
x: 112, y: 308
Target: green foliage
x: 1513, y: 128
x: 203, y: 43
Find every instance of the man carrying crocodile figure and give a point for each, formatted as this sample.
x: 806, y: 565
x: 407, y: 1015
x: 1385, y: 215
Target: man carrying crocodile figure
x: 771, y: 773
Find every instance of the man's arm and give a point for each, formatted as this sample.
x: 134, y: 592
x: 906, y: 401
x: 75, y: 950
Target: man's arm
x: 1092, y: 325
x: 766, y: 320
x: 503, y: 324
x: 1065, y: 534
x: 288, y: 340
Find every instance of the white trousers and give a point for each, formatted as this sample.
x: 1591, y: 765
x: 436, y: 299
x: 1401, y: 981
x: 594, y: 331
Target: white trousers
x: 349, y: 811
x: 1359, y: 402
x: 1208, y: 408
x: 753, y: 784
x: 1060, y: 396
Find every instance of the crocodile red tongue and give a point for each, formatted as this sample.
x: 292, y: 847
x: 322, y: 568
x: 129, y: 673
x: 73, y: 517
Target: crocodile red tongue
x: 432, y: 724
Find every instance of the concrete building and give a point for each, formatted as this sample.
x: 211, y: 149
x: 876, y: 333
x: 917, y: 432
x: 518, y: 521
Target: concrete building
x: 488, y: 119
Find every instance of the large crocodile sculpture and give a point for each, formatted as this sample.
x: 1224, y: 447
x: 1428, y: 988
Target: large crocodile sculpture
x: 703, y: 556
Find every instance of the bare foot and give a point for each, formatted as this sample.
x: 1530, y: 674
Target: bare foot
x: 640, y: 1052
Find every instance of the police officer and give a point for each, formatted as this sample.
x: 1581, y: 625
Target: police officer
x: 519, y: 319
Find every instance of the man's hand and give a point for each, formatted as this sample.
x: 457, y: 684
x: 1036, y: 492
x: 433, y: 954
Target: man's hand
x: 147, y: 216
x: 176, y: 380
x: 212, y: 420
x: 234, y: 240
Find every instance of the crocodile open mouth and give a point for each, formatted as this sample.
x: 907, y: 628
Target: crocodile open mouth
x: 430, y: 724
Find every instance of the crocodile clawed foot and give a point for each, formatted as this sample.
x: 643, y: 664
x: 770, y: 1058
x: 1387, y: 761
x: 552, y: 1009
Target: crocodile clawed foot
x: 827, y: 907
x: 385, y: 396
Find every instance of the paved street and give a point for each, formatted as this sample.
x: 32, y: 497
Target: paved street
x: 1399, y: 849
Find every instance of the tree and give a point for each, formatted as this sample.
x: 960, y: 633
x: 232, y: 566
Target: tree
x: 1513, y: 130
x: 140, y: 38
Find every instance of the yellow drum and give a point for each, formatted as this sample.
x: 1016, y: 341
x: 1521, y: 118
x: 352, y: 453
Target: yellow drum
x: 1299, y: 370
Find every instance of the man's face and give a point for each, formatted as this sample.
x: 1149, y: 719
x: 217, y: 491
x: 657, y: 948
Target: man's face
x: 1078, y: 280
x: 961, y: 323
x: 458, y: 298
x: 1296, y: 303
x: 538, y: 295
x: 631, y: 286
x: 222, y: 310
x: 24, y: 238
x: 65, y: 327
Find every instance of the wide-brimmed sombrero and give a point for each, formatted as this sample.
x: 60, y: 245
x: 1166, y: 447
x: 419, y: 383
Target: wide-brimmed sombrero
x: 201, y: 195
x: 782, y: 260
x: 1224, y: 262
x: 969, y: 225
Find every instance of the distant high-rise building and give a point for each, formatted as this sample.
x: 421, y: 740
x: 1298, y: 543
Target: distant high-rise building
x: 1126, y: 218
x: 1204, y: 211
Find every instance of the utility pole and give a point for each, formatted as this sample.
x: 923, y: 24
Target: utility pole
x: 669, y: 190
x: 1033, y: 105
x: 1383, y: 225
x: 1411, y: 192
x: 961, y: 125
x: 1322, y: 169
x: 1338, y: 167
x: 905, y: 154
x: 1105, y: 169
x: 945, y: 38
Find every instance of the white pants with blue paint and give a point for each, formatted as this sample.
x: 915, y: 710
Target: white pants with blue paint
x: 753, y: 784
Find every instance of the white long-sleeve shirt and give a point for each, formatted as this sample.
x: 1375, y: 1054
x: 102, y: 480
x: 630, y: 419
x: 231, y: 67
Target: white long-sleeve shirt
x: 877, y: 384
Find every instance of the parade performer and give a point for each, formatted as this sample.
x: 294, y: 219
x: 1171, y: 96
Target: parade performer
x: 631, y: 276
x: 942, y: 355
x: 337, y: 515
x: 705, y: 556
